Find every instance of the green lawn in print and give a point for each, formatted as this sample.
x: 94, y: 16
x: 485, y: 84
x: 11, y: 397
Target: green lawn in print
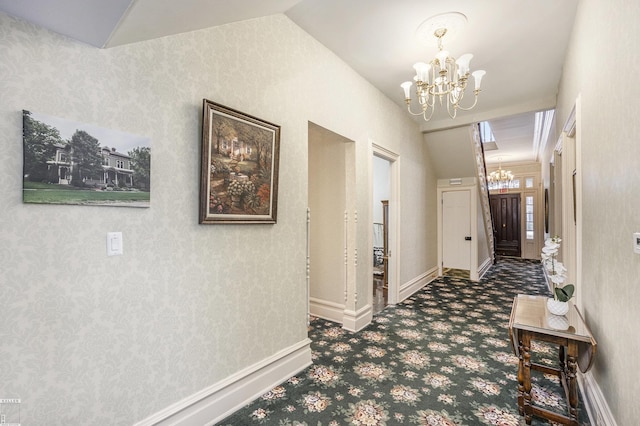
x: 36, y: 192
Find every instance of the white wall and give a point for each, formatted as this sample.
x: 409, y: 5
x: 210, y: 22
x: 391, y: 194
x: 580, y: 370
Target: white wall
x: 452, y: 152
x: 190, y: 304
x: 327, y: 202
x: 601, y: 66
x: 381, y: 188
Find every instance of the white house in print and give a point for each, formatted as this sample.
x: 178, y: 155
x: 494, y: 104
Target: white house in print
x: 235, y: 149
x: 116, y: 168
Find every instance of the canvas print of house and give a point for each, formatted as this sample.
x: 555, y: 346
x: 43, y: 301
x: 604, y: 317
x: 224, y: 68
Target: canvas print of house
x: 68, y: 162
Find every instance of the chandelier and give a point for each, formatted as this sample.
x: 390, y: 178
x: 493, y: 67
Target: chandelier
x: 444, y: 78
x: 500, y: 178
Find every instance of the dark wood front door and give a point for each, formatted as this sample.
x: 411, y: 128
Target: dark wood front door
x: 505, y: 211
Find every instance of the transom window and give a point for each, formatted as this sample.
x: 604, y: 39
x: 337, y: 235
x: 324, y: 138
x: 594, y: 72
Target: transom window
x: 514, y: 184
x: 528, y: 182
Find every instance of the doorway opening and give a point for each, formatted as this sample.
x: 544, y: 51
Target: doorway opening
x: 330, y: 229
x: 381, y: 191
x: 385, y: 211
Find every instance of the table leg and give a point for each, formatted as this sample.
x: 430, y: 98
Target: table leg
x: 520, y: 377
x: 561, y: 358
x: 526, y: 376
x: 572, y: 358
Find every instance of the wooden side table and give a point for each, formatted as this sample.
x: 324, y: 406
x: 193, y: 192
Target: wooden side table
x: 530, y: 320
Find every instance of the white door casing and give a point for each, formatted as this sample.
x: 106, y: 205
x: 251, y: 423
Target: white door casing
x: 394, y: 214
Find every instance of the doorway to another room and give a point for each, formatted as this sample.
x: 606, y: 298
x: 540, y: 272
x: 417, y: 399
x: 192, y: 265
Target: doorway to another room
x: 331, y: 225
x: 382, y: 194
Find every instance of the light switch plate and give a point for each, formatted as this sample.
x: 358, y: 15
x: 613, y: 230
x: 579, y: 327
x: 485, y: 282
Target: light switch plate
x: 114, y: 243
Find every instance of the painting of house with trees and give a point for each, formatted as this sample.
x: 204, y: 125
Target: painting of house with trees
x: 68, y: 162
x: 240, y: 167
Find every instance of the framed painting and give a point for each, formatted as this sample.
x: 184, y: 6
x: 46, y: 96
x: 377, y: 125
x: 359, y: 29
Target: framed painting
x: 239, y: 168
x: 76, y: 163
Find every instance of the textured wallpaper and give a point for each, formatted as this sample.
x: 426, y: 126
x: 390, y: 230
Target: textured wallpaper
x: 90, y: 339
x: 609, y: 154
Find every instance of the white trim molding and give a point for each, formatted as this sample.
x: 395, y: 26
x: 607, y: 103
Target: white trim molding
x: 357, y: 320
x: 394, y: 251
x: 410, y: 287
x: 594, y: 402
x: 482, y: 269
x: 220, y: 400
x: 325, y: 309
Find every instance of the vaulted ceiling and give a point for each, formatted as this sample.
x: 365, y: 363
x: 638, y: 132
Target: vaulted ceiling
x: 520, y: 43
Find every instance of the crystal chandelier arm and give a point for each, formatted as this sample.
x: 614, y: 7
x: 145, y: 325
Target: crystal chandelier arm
x: 424, y: 99
x: 430, y: 110
x: 477, y: 76
x: 449, y: 107
x: 475, y: 101
x: 406, y: 86
x: 425, y: 109
x: 415, y: 113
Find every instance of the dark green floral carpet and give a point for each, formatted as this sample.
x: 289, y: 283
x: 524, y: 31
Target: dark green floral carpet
x: 442, y: 357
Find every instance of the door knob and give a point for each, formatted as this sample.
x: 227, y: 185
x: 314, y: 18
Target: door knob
x: 467, y: 238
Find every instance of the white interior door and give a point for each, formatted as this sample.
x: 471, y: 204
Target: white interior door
x: 456, y: 230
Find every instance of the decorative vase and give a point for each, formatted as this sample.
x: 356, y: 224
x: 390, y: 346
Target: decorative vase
x: 557, y: 307
x: 558, y: 322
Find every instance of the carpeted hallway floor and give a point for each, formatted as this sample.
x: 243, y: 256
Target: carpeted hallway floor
x: 442, y: 357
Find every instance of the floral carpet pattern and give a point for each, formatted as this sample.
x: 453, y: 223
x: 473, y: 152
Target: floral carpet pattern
x: 442, y: 357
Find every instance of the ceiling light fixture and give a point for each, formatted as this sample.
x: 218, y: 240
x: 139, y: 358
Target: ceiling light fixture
x: 500, y: 179
x: 445, y: 77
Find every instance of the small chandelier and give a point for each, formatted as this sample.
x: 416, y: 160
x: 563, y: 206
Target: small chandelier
x: 500, y: 178
x: 444, y: 78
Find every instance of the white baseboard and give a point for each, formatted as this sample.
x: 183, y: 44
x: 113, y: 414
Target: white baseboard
x: 356, y: 321
x: 324, y: 309
x: 409, y: 288
x: 335, y: 312
x: 216, y: 402
x: 484, y: 267
x: 594, y: 402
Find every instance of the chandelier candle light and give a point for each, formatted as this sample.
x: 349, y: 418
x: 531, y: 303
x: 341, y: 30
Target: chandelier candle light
x: 445, y: 77
x: 501, y: 178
